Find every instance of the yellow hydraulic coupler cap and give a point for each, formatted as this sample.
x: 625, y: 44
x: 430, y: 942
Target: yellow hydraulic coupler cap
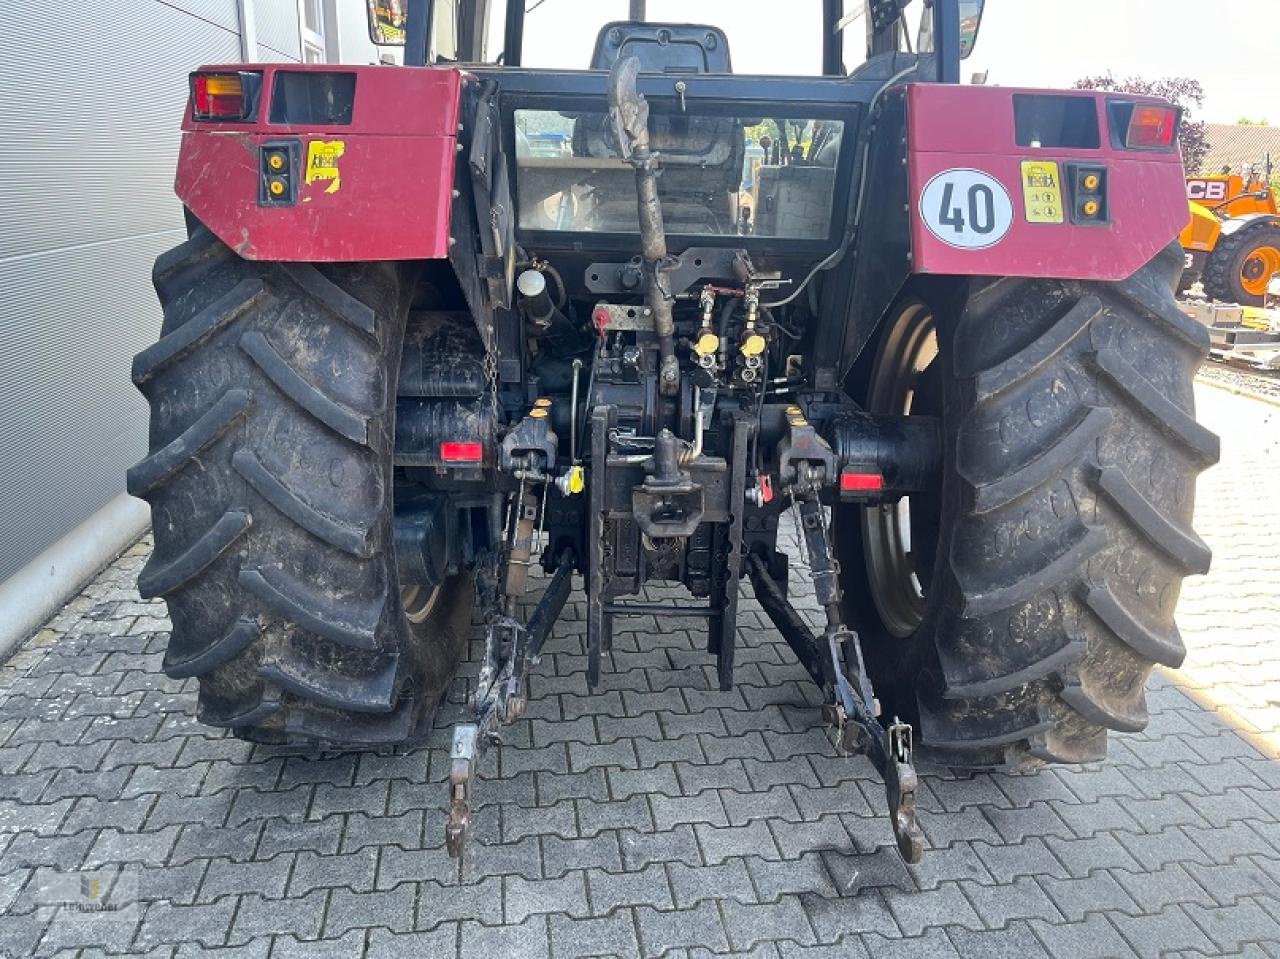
x: 541, y: 403
x: 572, y: 481
x: 1091, y: 182
x: 538, y: 412
x: 1090, y: 207
x: 794, y: 411
x: 707, y: 344
x: 275, y: 161
x: 276, y: 187
x: 753, y: 345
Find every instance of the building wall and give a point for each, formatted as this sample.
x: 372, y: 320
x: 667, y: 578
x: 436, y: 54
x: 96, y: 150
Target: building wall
x: 86, y: 204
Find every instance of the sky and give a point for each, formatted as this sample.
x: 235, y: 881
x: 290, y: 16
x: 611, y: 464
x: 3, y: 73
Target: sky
x: 1232, y: 47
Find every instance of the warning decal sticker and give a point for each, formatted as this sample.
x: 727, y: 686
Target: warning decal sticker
x: 322, y: 162
x: 1042, y: 191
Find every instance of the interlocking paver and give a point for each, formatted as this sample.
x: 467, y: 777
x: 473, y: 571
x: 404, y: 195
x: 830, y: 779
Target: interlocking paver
x: 1156, y: 933
x: 649, y: 886
x: 301, y: 917
x: 384, y: 944
x: 392, y: 909
x: 224, y: 877
x: 1097, y: 892
x: 1094, y: 938
x: 658, y: 817
x: 523, y: 897
x: 700, y: 926
x: 1014, y: 941
x: 615, y: 935
x: 730, y: 879
x: 1245, y: 921
x: 165, y: 922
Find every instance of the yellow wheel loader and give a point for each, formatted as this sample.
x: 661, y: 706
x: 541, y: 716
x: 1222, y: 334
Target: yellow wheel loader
x: 1232, y: 242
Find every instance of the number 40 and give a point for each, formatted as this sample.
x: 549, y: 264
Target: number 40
x: 982, y: 209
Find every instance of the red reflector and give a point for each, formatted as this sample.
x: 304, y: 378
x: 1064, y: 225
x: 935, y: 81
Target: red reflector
x: 222, y: 96
x: 1152, y: 127
x: 456, y: 451
x: 860, y: 482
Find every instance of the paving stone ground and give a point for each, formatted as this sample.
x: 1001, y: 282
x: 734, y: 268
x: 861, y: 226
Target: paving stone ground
x: 659, y: 817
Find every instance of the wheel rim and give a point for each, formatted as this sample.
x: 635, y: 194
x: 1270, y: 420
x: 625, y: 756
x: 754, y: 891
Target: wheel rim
x: 894, y: 571
x: 419, y: 602
x: 1257, y: 271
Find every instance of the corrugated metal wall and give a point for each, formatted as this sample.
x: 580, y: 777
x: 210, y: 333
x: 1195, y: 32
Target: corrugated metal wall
x: 91, y: 95
x: 276, y: 22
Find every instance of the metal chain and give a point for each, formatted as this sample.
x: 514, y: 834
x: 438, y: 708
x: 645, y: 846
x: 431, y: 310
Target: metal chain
x: 539, y: 543
x: 490, y: 367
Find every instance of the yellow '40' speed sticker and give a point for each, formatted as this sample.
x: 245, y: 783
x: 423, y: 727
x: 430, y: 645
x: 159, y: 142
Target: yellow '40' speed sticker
x: 1042, y: 191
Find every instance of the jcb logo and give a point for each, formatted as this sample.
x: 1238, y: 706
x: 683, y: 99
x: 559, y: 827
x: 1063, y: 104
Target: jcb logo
x: 1206, y: 189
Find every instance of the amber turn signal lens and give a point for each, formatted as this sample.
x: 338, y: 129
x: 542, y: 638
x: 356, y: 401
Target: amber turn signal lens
x: 223, y: 96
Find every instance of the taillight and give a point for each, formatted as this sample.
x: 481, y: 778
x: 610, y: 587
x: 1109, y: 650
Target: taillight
x: 851, y: 482
x: 1151, y: 127
x: 460, y: 451
x: 225, y: 96
x: 1143, y: 126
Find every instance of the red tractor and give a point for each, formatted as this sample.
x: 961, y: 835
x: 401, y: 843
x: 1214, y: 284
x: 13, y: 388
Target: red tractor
x: 437, y: 324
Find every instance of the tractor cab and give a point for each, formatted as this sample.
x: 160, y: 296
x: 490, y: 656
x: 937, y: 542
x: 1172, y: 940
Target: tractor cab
x: 749, y: 149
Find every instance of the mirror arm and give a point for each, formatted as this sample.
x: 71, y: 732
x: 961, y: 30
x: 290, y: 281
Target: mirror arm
x: 832, y: 38
x: 513, y: 34
x: 946, y: 39
x: 417, y: 37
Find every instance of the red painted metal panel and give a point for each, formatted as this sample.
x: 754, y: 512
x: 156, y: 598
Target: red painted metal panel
x: 395, y: 170
x: 406, y: 101
x: 972, y: 128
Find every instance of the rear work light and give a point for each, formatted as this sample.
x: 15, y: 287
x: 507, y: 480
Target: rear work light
x: 225, y: 96
x: 1152, y: 127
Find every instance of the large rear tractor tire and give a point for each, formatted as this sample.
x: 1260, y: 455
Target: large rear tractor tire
x: 272, y: 392
x: 1014, y: 615
x: 1243, y: 263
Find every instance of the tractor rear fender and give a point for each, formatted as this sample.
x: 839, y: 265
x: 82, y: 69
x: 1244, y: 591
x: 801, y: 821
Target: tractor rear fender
x: 996, y: 184
x: 986, y: 181
x: 371, y: 156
